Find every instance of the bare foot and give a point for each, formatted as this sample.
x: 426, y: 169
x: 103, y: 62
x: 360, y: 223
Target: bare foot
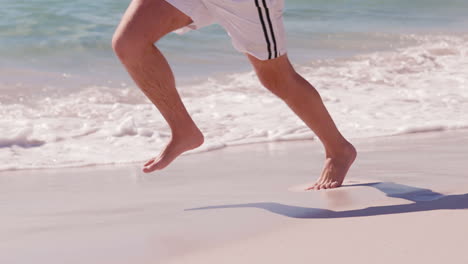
x: 335, y: 169
x: 177, y: 146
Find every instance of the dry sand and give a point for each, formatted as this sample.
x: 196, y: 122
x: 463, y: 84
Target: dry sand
x: 405, y: 201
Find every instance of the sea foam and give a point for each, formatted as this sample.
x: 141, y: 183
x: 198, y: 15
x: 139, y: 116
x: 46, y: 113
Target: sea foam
x: 410, y: 90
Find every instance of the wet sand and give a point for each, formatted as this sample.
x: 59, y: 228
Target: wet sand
x: 404, y: 201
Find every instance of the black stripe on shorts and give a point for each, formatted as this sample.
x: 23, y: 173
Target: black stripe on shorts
x: 262, y: 20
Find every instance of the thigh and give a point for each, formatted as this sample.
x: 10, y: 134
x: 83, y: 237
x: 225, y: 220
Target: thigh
x: 150, y: 20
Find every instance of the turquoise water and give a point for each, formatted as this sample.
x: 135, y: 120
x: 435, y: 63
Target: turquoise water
x: 75, y: 36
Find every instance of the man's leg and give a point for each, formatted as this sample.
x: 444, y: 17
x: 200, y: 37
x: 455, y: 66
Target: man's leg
x: 144, y: 23
x: 279, y: 76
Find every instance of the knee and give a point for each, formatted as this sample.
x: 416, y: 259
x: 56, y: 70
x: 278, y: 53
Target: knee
x: 128, y: 46
x: 123, y: 45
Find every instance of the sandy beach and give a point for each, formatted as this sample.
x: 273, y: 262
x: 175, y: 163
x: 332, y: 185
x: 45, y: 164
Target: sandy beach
x: 76, y: 128
x: 404, y: 201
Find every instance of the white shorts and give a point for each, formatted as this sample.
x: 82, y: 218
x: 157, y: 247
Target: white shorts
x: 255, y: 26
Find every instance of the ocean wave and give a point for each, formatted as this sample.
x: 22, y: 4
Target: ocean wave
x: 409, y: 90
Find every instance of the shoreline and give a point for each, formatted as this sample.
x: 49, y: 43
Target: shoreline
x: 408, y: 132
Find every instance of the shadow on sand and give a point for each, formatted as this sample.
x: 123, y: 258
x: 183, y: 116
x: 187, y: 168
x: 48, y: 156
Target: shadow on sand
x: 423, y: 200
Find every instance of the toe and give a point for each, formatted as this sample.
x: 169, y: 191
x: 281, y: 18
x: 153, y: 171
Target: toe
x: 334, y: 184
x: 158, y: 164
x: 313, y: 187
x: 149, y: 162
x: 324, y: 185
x: 330, y: 184
x: 147, y: 168
x: 150, y: 167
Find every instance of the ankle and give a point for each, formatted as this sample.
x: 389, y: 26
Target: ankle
x: 188, y: 132
x: 342, y: 150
